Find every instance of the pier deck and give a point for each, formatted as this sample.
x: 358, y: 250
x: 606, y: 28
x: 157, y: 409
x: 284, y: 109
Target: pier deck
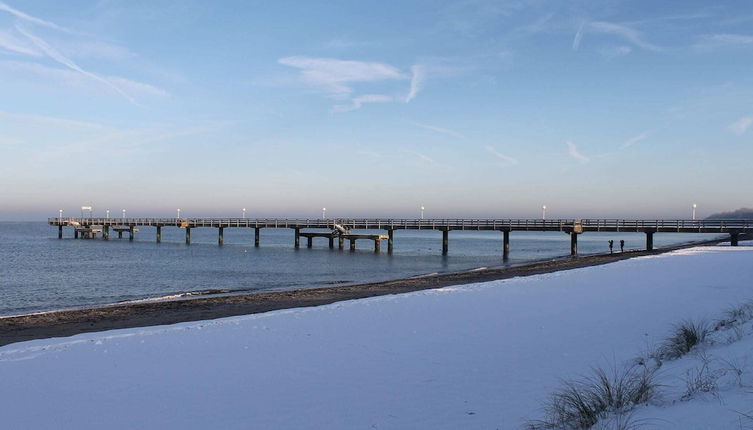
x: 340, y: 228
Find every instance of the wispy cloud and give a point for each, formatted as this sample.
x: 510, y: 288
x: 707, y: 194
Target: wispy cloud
x: 11, y: 43
x: 418, y: 77
x: 742, y: 125
x: 34, y: 20
x: 624, y: 32
x: 336, y: 77
x: 711, y: 41
x: 425, y: 160
x: 441, y: 130
x: 60, y: 58
x: 633, y: 140
x: 359, y: 101
x: 573, y: 151
x: 506, y: 159
x: 578, y: 37
x: 615, y: 51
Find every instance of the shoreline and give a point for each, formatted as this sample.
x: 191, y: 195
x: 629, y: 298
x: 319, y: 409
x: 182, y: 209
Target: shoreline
x: 65, y: 323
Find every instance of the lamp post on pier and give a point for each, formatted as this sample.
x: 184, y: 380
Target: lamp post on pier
x: 107, y: 212
x: 543, y: 212
x: 694, y: 207
x: 324, y: 213
x: 179, y: 213
x: 244, y: 213
x: 124, y: 212
x: 422, y: 212
x: 60, y: 212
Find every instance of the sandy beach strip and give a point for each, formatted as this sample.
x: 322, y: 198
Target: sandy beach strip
x: 70, y: 322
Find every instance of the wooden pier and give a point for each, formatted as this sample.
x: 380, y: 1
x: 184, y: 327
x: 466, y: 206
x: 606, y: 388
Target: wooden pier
x: 341, y: 229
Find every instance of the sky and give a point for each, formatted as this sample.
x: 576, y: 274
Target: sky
x: 603, y: 108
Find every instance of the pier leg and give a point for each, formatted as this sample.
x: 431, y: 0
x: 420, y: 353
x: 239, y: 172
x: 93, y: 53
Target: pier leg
x: 390, y: 234
x: 331, y: 242
x: 352, y: 244
x: 256, y: 237
x: 309, y: 242
x: 340, y: 242
x: 297, y: 238
x: 188, y: 235
x: 106, y: 232
x: 505, y: 244
x: 733, y: 238
x: 377, y: 246
x: 649, y: 241
x: 75, y: 233
x: 445, y: 241
x: 120, y: 234
x: 159, y: 233
x: 130, y: 233
x: 573, y: 243
x: 221, y: 237
x: 60, y: 232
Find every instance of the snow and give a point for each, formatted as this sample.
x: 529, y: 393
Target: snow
x: 479, y: 356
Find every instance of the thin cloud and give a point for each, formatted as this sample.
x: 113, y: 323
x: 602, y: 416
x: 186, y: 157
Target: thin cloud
x: 507, y: 159
x: 633, y: 140
x: 60, y: 58
x: 627, y: 33
x: 34, y: 20
x: 573, y: 151
x: 11, y: 43
x: 742, y: 125
x: 418, y: 78
x: 710, y: 41
x: 441, y: 130
x: 426, y: 161
x: 615, y: 51
x: 358, y: 102
x: 336, y: 76
x: 578, y: 37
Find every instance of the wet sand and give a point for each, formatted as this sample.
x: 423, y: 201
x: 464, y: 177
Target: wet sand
x: 70, y: 322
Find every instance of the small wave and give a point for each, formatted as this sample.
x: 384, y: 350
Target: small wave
x: 177, y: 296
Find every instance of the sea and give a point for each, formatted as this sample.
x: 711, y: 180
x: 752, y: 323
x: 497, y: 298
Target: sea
x: 39, y: 272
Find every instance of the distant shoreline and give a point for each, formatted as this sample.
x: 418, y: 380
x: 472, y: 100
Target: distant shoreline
x: 70, y: 322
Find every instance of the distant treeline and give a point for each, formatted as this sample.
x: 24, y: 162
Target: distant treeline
x: 742, y: 213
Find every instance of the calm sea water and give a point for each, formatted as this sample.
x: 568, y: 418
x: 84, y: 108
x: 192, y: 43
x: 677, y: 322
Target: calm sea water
x: 39, y: 272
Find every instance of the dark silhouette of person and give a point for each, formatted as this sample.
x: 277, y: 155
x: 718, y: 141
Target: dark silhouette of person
x: 622, y: 246
x: 611, y: 245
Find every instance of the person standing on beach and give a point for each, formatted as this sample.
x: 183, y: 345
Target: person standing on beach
x: 611, y: 244
x: 622, y: 245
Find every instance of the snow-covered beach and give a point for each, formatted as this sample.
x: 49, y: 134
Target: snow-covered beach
x: 481, y: 356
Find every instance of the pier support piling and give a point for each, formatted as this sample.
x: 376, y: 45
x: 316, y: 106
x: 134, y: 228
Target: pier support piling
x: 377, y: 246
x: 352, y: 244
x: 60, y: 232
x: 257, y: 237
x: 733, y: 238
x: 159, y: 233
x: 297, y: 238
x: 130, y: 233
x: 331, y: 242
x: 221, y: 236
x: 445, y: 241
x: 120, y: 234
x: 390, y: 236
x: 309, y: 242
x: 340, y: 242
x: 505, y: 244
x: 573, y: 243
x: 75, y: 233
x: 649, y: 241
x: 106, y: 232
x: 188, y: 235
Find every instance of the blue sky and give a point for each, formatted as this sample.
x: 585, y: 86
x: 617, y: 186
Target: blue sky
x: 470, y: 108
